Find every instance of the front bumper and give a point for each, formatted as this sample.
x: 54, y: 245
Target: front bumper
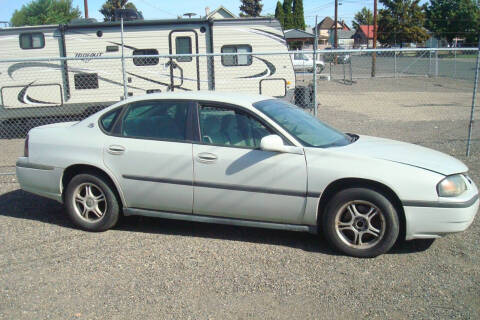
x: 424, y: 222
x: 39, y: 179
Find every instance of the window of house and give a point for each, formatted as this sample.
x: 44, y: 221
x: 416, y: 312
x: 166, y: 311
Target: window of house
x: 32, y: 40
x: 237, y: 60
x: 183, y: 45
x: 145, y: 61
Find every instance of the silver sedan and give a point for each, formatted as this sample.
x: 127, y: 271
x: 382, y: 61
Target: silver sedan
x: 247, y: 161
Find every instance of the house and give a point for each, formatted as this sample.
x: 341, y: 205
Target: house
x: 219, y: 13
x: 344, y: 38
x: 299, y: 39
x: 324, y: 28
x: 363, y: 37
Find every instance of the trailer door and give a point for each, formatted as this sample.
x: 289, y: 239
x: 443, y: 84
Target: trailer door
x: 184, y: 72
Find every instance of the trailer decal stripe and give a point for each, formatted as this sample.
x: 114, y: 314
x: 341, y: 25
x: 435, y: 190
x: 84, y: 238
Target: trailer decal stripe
x: 270, y: 67
x: 24, y: 98
x: 258, y: 75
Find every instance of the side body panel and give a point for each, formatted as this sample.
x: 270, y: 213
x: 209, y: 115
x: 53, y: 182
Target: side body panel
x: 250, y: 184
x: 154, y: 175
x: 327, y: 165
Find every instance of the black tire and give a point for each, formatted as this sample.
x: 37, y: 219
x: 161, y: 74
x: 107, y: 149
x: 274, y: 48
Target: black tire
x: 350, y: 228
x: 111, y: 213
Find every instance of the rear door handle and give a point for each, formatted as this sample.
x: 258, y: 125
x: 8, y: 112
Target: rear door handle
x: 207, y: 157
x: 116, y: 149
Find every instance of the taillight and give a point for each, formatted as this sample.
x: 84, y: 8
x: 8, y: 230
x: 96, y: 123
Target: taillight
x: 25, y: 148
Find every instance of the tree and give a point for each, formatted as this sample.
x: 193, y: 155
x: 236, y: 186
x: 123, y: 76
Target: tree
x: 109, y: 7
x: 40, y: 12
x: 279, y: 14
x: 401, y: 21
x: 453, y: 18
x: 288, y: 15
x: 363, y: 16
x: 298, y: 17
x: 251, y: 8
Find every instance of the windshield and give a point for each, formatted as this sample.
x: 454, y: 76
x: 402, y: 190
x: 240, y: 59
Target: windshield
x: 308, y: 130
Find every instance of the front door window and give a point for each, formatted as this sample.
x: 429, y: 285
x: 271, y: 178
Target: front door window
x: 229, y: 127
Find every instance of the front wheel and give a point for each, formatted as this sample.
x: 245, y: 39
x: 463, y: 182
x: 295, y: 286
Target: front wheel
x: 91, y: 203
x: 361, y: 222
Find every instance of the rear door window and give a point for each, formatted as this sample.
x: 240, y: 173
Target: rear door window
x: 160, y: 120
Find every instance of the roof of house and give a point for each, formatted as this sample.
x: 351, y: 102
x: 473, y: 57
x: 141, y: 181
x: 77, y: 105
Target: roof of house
x: 367, y: 30
x: 326, y: 23
x: 345, y: 34
x: 297, y: 34
x: 223, y: 11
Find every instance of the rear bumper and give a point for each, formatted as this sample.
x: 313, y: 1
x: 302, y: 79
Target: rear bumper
x: 432, y: 222
x: 39, y: 179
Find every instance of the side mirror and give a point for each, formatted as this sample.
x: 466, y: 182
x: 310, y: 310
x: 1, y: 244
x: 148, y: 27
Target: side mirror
x: 275, y: 144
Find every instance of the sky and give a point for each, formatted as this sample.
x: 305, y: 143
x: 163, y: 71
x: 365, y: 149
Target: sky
x: 161, y: 9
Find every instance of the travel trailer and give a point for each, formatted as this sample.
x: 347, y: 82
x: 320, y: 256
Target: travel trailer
x: 60, y: 87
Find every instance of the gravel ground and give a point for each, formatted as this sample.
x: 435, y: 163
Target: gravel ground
x: 149, y: 268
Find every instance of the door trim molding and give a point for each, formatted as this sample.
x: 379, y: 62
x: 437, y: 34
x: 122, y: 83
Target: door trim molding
x: 233, y: 187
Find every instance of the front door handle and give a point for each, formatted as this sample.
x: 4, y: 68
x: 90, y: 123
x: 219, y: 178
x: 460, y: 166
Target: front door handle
x: 116, y: 149
x: 207, y: 157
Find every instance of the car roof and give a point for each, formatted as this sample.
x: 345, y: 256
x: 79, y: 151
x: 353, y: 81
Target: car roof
x: 245, y: 100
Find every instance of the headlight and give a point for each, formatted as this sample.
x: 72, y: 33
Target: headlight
x: 451, y: 186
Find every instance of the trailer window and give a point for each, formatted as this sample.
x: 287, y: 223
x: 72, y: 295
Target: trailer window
x: 145, y: 61
x: 32, y: 40
x: 86, y: 81
x: 237, y: 60
x: 183, y: 45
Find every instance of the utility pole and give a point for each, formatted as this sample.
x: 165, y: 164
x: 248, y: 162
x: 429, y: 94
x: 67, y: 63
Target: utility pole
x: 374, y: 54
x: 335, y: 39
x: 85, y: 5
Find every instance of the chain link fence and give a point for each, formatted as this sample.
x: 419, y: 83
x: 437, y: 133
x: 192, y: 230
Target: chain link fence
x: 384, y: 83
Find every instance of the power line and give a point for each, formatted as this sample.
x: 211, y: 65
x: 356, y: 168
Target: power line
x: 159, y: 9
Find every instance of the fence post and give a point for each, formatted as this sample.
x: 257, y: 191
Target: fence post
x: 330, y: 71
x: 123, y: 63
x: 455, y: 64
x: 436, y: 63
x: 395, y: 64
x: 315, y: 70
x: 429, y: 63
x: 351, y: 71
x: 474, y: 98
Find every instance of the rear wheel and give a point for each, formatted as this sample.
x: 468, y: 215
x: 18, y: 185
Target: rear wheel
x: 360, y: 222
x: 91, y: 203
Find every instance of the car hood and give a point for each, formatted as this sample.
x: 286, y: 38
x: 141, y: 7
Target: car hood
x: 405, y: 153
